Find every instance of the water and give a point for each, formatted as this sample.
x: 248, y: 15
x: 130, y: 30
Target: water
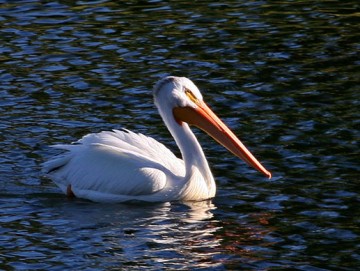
x: 283, y: 75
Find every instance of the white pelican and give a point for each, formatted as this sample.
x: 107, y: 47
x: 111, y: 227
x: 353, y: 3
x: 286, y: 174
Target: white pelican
x: 119, y: 166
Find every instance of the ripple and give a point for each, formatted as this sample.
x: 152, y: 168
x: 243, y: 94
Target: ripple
x: 283, y: 76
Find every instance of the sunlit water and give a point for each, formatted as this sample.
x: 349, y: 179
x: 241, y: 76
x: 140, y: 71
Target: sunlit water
x: 284, y: 75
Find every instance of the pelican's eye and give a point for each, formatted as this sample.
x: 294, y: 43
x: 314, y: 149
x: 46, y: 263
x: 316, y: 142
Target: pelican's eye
x: 191, y: 95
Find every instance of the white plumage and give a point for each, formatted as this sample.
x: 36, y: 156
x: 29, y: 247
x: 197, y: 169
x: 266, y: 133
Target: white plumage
x: 120, y: 166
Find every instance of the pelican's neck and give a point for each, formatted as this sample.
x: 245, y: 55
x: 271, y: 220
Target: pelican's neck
x: 191, y: 151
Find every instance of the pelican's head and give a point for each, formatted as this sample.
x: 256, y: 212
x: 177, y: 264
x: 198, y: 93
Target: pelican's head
x: 176, y: 92
x: 179, y: 98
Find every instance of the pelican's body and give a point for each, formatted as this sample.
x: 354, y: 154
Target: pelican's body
x: 120, y: 166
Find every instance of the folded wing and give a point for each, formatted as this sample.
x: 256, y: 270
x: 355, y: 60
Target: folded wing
x: 114, y: 163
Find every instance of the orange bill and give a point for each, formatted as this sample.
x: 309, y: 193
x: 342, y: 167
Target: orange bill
x: 203, y: 118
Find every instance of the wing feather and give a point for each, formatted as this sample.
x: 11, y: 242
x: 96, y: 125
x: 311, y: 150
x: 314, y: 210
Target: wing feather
x: 137, y: 143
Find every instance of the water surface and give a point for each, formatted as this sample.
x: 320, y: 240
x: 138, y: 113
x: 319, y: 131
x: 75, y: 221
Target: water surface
x: 284, y: 75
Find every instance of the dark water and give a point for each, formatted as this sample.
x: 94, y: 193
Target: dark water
x: 283, y: 74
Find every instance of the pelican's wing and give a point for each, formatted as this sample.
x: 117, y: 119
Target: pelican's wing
x: 114, y: 163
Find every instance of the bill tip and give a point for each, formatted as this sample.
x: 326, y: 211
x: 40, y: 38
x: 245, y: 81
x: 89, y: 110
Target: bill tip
x: 269, y: 175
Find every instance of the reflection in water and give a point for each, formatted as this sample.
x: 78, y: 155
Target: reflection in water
x: 165, y: 234
x: 159, y: 235
x: 109, y: 235
x: 189, y: 233
x: 184, y: 233
x: 198, y: 211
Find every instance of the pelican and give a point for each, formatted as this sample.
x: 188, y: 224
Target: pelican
x: 118, y: 166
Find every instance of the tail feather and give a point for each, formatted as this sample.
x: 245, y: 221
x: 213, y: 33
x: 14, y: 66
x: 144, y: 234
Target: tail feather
x: 56, y: 163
